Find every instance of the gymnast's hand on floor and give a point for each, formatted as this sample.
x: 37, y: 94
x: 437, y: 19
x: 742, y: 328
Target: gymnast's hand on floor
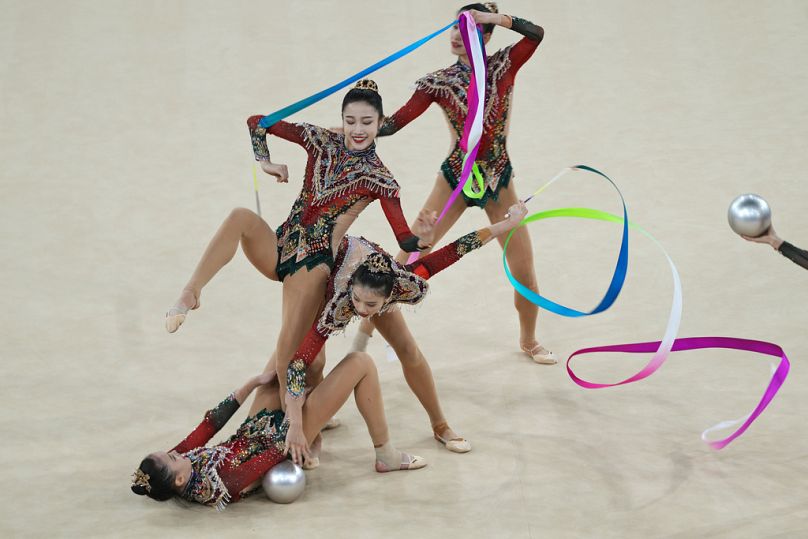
x: 280, y: 172
x: 296, y: 443
x: 424, y: 228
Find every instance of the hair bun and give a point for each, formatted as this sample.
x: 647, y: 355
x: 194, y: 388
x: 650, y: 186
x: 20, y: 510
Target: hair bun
x: 367, y: 84
x: 492, y: 7
x: 139, y: 490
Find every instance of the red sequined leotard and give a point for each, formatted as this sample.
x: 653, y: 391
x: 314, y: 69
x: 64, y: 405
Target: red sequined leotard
x: 222, y: 473
x: 410, y: 287
x: 338, y: 185
x: 447, y: 87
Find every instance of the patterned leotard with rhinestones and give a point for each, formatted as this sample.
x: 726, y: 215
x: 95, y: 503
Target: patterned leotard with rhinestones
x: 447, y: 87
x: 338, y: 185
x: 225, y: 472
x: 338, y: 311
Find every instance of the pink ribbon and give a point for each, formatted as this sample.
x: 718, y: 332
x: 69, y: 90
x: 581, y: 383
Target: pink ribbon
x: 698, y: 343
x: 473, y: 127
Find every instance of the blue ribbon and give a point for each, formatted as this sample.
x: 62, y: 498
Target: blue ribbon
x: 278, y: 115
x: 618, y: 278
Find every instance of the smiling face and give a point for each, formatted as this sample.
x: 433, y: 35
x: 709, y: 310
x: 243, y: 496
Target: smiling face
x: 360, y: 124
x: 367, y: 301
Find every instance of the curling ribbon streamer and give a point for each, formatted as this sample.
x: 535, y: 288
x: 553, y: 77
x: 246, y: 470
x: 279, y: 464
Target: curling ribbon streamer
x: 701, y: 343
x: 278, y: 115
x: 473, y: 126
x: 621, y: 268
x: 661, y: 349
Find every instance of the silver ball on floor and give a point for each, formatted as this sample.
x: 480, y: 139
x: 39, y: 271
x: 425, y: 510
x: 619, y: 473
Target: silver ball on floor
x: 285, y: 482
x: 749, y: 215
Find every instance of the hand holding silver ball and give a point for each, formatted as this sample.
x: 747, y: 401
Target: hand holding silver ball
x: 749, y: 215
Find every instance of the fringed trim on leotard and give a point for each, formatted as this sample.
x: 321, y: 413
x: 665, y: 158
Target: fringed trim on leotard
x: 452, y: 82
x: 338, y: 172
x: 409, y: 288
x: 205, y: 485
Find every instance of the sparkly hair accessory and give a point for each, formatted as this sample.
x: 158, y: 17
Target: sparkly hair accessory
x: 367, y: 84
x: 141, y: 479
x: 492, y: 7
x: 377, y: 263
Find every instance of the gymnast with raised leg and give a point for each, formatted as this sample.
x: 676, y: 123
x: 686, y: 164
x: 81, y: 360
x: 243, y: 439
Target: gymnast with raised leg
x: 229, y: 470
x: 367, y: 282
x: 447, y: 87
x: 343, y: 175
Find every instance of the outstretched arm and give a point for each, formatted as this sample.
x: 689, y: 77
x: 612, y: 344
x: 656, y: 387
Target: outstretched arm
x: 217, y: 417
x: 412, y: 109
x: 408, y: 241
x: 306, y: 353
x: 795, y: 254
x: 441, y: 259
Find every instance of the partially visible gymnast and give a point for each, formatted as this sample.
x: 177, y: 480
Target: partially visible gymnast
x: 795, y: 254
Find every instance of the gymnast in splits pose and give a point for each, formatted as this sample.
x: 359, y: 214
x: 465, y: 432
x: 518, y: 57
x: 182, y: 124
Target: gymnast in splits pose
x: 447, y: 88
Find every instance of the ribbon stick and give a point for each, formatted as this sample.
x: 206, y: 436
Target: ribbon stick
x: 255, y: 188
x: 278, y: 115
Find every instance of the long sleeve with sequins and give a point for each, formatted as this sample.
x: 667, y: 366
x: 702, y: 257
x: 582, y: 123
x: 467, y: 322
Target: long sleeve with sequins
x: 285, y: 130
x: 412, y: 109
x: 796, y: 255
x: 238, y: 478
x: 444, y: 257
x: 304, y: 356
x: 214, y: 420
x: 392, y: 211
x: 525, y: 47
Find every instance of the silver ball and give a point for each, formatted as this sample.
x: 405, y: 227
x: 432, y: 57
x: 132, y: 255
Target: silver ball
x: 749, y: 215
x: 285, y: 482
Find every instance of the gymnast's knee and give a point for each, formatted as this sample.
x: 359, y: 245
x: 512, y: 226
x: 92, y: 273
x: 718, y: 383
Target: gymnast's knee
x: 241, y: 216
x: 361, y: 360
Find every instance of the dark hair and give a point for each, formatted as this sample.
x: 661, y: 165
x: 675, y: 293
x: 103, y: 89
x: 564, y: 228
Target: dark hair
x: 365, y: 91
x: 382, y: 282
x: 161, y: 480
x: 487, y: 28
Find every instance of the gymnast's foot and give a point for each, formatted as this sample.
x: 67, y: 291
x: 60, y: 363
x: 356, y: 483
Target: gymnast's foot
x: 539, y: 353
x: 188, y: 300
x: 453, y: 441
x: 390, y: 459
x: 314, y: 454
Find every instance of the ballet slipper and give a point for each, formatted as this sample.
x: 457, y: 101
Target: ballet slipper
x: 540, y: 354
x: 176, y: 314
x: 408, y: 462
x: 455, y: 445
